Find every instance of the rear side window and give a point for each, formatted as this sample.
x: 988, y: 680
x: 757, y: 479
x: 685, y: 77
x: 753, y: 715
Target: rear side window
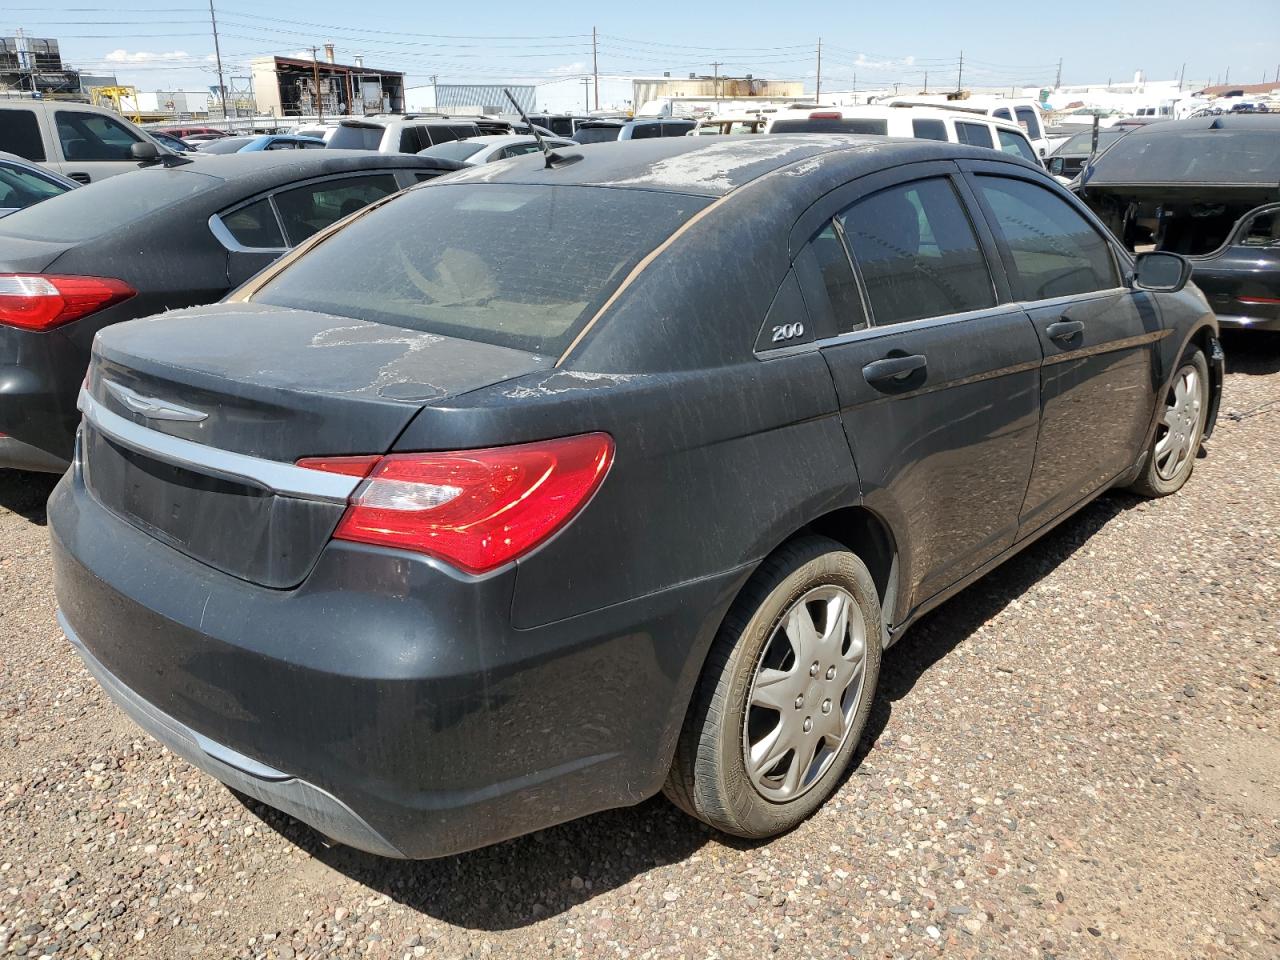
x: 918, y: 253
x: 20, y: 134
x: 520, y: 149
x: 929, y: 130
x: 596, y: 134
x: 1262, y: 230
x: 676, y: 129
x: 645, y: 131
x: 1003, y: 113
x: 1010, y: 142
x: 92, y: 136
x: 1030, y: 122
x: 255, y: 226
x: 309, y: 209
x: 478, y: 272
x: 1055, y: 252
x: 824, y: 268
x: 831, y: 125
x: 413, y: 139
x: 974, y: 134
x: 350, y: 137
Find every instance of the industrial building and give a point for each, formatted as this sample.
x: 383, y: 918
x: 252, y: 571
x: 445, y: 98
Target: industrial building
x: 292, y: 87
x: 34, y: 65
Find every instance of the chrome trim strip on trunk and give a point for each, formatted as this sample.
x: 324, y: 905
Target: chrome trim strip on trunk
x: 282, y: 478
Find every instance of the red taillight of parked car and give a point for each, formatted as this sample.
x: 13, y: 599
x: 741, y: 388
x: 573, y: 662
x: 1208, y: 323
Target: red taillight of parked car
x: 826, y: 115
x: 474, y: 509
x: 42, y: 302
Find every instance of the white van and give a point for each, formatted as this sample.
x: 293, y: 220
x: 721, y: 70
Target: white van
x: 1025, y: 112
x: 923, y: 123
x: 77, y: 140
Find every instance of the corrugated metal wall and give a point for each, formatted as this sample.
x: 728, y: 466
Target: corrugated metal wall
x: 488, y: 97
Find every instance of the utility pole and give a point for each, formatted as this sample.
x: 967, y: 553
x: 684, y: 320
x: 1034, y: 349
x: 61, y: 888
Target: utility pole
x: 817, y: 90
x: 1181, y: 76
x: 217, y: 54
x: 1058, y: 82
x: 586, y: 94
x: 1228, y: 80
x: 926, y: 81
x: 595, y: 67
x: 715, y: 74
x: 960, y: 75
x: 315, y: 72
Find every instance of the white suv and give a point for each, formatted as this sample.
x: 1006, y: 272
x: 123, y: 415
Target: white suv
x: 399, y: 134
x: 923, y: 123
x: 76, y: 140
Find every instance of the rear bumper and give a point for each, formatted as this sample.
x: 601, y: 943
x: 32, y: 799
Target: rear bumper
x: 38, y: 385
x: 1238, y: 322
x: 386, y: 701
x: 16, y: 455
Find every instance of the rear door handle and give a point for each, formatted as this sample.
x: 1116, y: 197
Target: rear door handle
x: 1064, y: 329
x: 893, y: 368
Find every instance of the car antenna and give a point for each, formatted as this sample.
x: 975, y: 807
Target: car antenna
x: 553, y: 159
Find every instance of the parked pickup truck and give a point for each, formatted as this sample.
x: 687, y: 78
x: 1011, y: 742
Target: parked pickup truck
x: 79, y: 141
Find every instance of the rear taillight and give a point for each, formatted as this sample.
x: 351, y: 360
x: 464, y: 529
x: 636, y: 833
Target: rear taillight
x: 826, y: 115
x: 40, y: 302
x: 474, y: 509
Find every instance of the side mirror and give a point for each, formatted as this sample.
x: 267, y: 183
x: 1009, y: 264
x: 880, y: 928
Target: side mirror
x: 1056, y: 166
x: 144, y: 150
x: 1161, y: 272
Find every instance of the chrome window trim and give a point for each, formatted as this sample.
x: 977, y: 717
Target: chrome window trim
x: 285, y: 479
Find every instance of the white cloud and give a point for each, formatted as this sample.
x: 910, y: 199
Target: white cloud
x: 143, y: 56
x: 568, y: 69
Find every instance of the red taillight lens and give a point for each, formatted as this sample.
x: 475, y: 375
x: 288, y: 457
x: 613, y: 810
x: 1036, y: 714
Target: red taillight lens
x: 825, y: 115
x: 475, y: 509
x: 39, y: 302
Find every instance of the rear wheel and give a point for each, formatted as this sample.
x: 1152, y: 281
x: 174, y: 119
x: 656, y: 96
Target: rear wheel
x: 785, y: 694
x: 1181, y: 427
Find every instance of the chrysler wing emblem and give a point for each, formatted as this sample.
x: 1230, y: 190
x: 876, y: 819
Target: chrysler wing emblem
x: 153, y: 408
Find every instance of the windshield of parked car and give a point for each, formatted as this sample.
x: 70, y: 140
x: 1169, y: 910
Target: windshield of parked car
x: 518, y: 265
x: 596, y: 134
x: 107, y: 205
x: 454, y: 150
x: 226, y: 144
x: 1082, y: 143
x: 1202, y: 156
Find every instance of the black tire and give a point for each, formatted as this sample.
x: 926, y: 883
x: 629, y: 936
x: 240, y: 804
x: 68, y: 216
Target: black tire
x: 1154, y: 481
x: 708, y: 777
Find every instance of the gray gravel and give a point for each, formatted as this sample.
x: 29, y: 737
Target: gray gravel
x: 1077, y: 757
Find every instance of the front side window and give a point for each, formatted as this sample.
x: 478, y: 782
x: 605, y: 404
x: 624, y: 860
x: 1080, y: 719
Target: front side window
x: 519, y: 150
x: 1011, y: 142
x: 21, y: 188
x: 92, y: 136
x: 1262, y: 230
x: 1055, y: 252
x: 918, y: 253
x: 20, y: 134
x: 1029, y: 121
x: 645, y: 131
x: 974, y: 134
x: 929, y: 130
x: 309, y: 209
x: 474, y: 273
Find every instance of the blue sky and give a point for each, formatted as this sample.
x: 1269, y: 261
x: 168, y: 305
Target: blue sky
x: 167, y: 44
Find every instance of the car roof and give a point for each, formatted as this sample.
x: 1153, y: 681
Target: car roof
x: 1223, y: 121
x: 716, y: 166
x: 280, y: 166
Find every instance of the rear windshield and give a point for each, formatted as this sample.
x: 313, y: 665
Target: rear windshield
x: 596, y: 134
x: 106, y: 205
x: 356, y: 138
x: 518, y: 265
x: 1203, y: 156
x: 832, y: 125
x: 457, y: 150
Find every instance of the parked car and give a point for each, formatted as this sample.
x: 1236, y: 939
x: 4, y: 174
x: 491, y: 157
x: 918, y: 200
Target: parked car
x: 480, y: 150
x: 1207, y: 188
x: 1069, y: 159
x: 399, y: 134
x: 77, y: 140
x: 188, y: 133
x: 170, y: 142
x: 24, y: 184
x: 559, y: 124
x: 321, y: 131
x: 433, y: 537
x: 602, y: 131
x: 270, y: 141
x: 924, y: 123
x: 156, y: 239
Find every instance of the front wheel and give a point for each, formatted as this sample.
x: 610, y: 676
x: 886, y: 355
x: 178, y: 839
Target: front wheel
x: 785, y: 694
x: 1178, y: 434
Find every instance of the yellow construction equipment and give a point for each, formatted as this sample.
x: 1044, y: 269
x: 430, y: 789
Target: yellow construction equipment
x: 114, y: 97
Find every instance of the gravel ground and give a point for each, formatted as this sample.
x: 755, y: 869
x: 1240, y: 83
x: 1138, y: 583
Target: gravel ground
x: 1077, y: 757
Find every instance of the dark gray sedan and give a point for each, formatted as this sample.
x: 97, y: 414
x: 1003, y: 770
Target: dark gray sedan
x: 619, y: 478
x: 146, y: 241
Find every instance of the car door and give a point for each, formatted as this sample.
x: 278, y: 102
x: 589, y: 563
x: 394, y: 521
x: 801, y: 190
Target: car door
x: 1098, y: 336
x: 94, y: 146
x: 938, y: 380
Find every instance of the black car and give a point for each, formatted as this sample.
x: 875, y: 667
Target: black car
x: 146, y: 241
x: 1069, y: 159
x: 1207, y: 188
x: 618, y: 479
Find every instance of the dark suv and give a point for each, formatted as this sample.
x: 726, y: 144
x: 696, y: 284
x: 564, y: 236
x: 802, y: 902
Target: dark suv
x: 435, y: 538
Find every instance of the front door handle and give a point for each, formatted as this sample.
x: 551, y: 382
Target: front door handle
x: 79, y: 176
x: 1064, y: 329
x: 893, y: 368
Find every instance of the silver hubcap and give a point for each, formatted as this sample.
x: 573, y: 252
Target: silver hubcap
x: 1179, y: 431
x: 805, y: 693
